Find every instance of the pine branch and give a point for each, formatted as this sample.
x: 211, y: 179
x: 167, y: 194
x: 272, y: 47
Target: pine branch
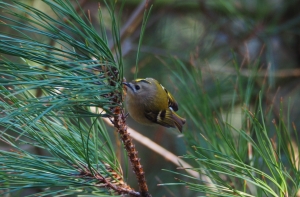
x: 74, y: 75
x: 120, y: 123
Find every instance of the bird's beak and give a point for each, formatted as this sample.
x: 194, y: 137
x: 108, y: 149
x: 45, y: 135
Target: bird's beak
x: 128, y: 85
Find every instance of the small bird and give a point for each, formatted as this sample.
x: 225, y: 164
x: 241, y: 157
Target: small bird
x: 148, y: 102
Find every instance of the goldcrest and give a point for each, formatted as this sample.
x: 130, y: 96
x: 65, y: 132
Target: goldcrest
x: 148, y: 102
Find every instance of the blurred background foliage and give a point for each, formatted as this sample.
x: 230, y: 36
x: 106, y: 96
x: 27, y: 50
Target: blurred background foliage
x: 214, y: 57
x: 233, y: 49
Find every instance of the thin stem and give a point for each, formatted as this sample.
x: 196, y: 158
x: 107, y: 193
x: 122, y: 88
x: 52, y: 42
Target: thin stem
x: 120, y: 187
x: 120, y: 123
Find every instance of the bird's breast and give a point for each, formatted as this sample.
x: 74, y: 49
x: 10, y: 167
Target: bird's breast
x: 136, y: 110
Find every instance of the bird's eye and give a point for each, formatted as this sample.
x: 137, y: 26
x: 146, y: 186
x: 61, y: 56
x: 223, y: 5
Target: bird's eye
x: 137, y: 87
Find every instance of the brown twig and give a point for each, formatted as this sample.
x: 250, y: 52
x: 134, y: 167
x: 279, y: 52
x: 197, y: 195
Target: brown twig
x: 120, y: 123
x: 283, y: 73
x: 116, y: 183
x: 135, y: 19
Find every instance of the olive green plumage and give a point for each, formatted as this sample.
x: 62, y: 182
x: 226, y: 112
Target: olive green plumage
x: 148, y: 102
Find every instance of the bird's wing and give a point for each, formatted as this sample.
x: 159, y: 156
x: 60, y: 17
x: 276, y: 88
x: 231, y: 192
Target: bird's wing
x: 171, y: 101
x: 163, y: 117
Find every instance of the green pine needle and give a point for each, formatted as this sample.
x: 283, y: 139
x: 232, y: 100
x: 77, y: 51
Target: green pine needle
x: 65, y: 59
x: 219, y: 151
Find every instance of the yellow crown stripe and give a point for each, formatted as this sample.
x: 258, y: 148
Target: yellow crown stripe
x: 142, y: 80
